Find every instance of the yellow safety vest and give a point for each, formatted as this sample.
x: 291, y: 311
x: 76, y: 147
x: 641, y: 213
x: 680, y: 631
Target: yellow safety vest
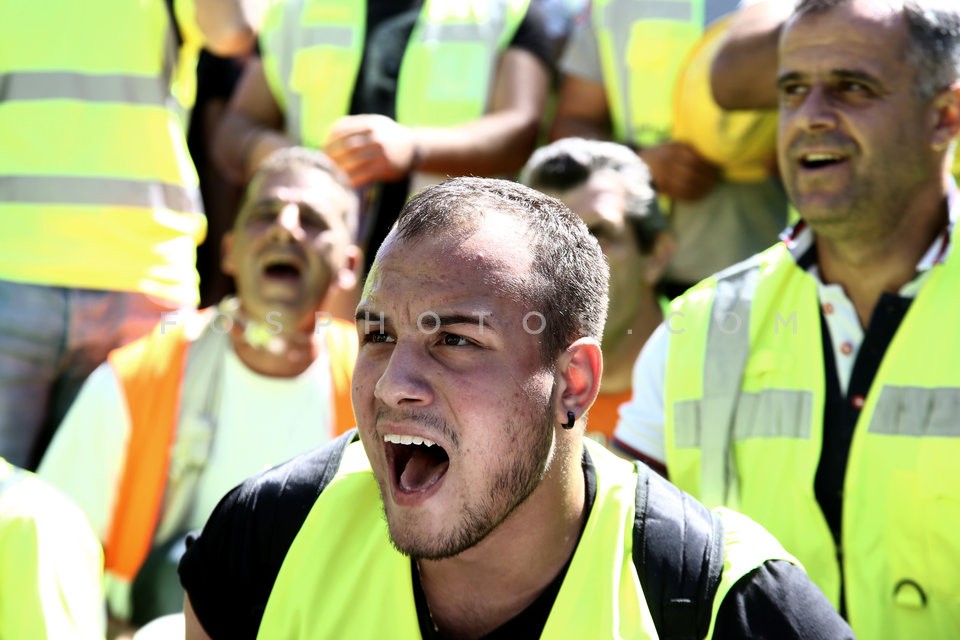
x: 97, y: 189
x: 342, y: 577
x: 744, y: 401
x: 47, y: 589
x: 655, y: 57
x: 312, y: 51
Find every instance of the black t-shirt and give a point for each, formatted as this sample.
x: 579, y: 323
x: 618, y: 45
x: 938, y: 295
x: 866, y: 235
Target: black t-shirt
x: 388, y: 29
x: 230, y: 569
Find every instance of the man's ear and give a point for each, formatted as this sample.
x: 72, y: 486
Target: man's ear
x: 580, y: 367
x: 947, y: 124
x: 227, y: 262
x: 658, y: 259
x: 349, y: 273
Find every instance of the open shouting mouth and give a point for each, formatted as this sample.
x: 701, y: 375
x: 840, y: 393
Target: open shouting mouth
x: 416, y: 465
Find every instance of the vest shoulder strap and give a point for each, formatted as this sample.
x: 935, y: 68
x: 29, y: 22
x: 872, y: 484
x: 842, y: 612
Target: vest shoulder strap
x: 678, y: 554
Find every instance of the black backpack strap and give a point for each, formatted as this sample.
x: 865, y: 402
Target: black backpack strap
x: 301, y: 487
x: 678, y: 552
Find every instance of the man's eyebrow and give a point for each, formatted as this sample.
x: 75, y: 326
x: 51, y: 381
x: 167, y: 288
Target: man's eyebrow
x: 789, y: 76
x: 833, y: 75
x: 479, y: 318
x: 368, y: 315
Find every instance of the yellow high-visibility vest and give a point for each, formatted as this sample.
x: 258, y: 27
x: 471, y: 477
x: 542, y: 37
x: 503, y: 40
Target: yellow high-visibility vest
x: 744, y: 400
x: 312, y: 51
x: 50, y: 583
x: 97, y: 189
x: 343, y: 578
x: 656, y: 59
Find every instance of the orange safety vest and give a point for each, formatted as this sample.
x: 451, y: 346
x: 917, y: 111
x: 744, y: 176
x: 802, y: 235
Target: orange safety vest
x: 151, y: 374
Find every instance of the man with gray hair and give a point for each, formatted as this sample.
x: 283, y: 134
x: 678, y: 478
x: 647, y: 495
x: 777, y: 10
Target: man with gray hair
x: 815, y: 387
x: 169, y: 423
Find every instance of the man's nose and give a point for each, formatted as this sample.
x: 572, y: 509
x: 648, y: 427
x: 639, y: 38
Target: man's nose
x: 817, y: 112
x: 287, y: 225
x: 403, y: 382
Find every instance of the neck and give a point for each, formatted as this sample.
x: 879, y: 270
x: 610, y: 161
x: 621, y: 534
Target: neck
x: 622, y: 346
x: 868, y: 267
x: 283, y: 354
x: 480, y: 589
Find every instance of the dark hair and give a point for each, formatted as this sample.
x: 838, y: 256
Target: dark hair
x: 568, y: 163
x: 934, y: 45
x: 289, y: 158
x: 569, y: 275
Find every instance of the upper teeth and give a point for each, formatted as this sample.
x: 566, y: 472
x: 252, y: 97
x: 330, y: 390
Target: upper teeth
x: 398, y: 439
x: 820, y: 157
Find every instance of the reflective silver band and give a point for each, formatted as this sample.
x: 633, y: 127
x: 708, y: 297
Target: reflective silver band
x: 99, y: 191
x: 66, y: 85
x: 917, y: 412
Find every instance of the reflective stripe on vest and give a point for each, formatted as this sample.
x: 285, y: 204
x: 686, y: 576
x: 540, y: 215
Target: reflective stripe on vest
x: 65, y: 85
x: 90, y: 191
x: 313, y: 49
x: 343, y: 578
x: 898, y: 496
x: 92, y: 129
x: 642, y: 46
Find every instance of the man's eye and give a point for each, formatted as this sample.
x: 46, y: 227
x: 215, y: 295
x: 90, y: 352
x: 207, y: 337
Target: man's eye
x: 792, y: 89
x: 854, y: 87
x: 377, y: 336
x: 453, y: 340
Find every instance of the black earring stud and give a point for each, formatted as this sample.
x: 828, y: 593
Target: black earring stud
x: 571, y: 418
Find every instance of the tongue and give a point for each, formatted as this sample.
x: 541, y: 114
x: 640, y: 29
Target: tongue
x: 422, y: 471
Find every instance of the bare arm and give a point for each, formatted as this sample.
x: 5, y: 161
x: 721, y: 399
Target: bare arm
x: 503, y: 139
x: 744, y: 72
x: 230, y: 27
x: 582, y: 110
x: 371, y: 147
x: 194, y: 630
x: 251, y: 128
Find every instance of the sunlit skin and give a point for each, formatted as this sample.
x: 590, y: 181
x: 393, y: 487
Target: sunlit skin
x: 295, y: 218
x: 847, y: 92
x: 288, y: 249
x: 862, y: 153
x: 505, y: 515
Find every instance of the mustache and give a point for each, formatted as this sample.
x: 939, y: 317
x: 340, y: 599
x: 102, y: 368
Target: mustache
x: 833, y: 141
x: 422, y: 418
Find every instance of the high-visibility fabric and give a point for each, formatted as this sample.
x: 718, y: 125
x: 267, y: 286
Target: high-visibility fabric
x: 312, y: 51
x: 151, y: 372
x: 642, y: 46
x: 655, y: 57
x: 742, y: 143
x: 342, y: 577
x: 97, y: 188
x: 748, y: 433
x: 51, y: 559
